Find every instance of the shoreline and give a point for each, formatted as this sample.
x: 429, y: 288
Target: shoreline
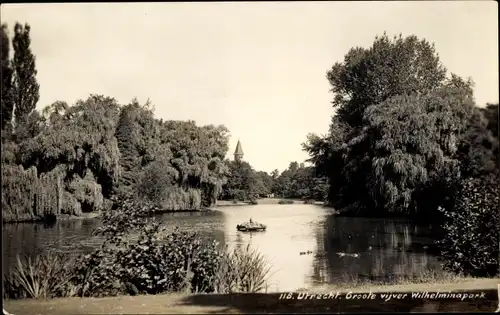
x: 485, y: 299
x: 94, y: 215
x: 266, y: 201
x: 219, y: 204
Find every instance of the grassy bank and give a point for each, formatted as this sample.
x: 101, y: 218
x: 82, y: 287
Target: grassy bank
x: 254, y: 303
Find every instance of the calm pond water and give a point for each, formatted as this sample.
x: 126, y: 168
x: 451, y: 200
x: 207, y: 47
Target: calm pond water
x: 385, y: 247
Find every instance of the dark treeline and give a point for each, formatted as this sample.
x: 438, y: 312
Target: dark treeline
x: 298, y: 181
x: 408, y: 139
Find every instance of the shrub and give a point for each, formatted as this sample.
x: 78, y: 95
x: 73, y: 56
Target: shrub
x: 96, y: 274
x: 253, y: 202
x: 239, y: 194
x: 285, y: 202
x: 309, y: 201
x: 156, y: 180
x: 242, y: 270
x: 205, y: 265
x: 471, y: 232
x: 45, y: 276
x: 180, y: 263
x: 157, y: 261
x: 153, y: 264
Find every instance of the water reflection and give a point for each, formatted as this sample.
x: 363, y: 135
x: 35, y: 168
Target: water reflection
x: 289, y: 232
x: 385, y: 247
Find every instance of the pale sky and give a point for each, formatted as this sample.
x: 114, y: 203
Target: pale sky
x: 258, y: 68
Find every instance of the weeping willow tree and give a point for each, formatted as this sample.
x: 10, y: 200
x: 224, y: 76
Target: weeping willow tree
x: 398, y: 140
x: 80, y: 138
x: 27, y: 196
x: 75, y: 144
x: 99, y: 150
x: 413, y: 141
x: 87, y: 193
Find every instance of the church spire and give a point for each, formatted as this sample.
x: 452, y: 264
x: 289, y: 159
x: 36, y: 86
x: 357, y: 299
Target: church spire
x: 238, y: 153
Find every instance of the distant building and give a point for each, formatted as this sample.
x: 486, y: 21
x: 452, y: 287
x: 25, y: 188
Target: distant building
x: 238, y: 153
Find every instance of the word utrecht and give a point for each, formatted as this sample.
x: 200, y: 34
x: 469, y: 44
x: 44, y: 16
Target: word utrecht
x: 326, y: 296
x: 382, y: 296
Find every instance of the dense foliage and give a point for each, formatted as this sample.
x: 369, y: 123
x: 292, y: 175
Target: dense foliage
x: 471, y: 229
x: 99, y: 149
x: 7, y: 83
x: 402, y: 128
x: 407, y: 139
x: 140, y: 256
x: 178, y: 165
x: 25, y: 87
x: 298, y: 181
x: 25, y: 195
x: 243, y: 183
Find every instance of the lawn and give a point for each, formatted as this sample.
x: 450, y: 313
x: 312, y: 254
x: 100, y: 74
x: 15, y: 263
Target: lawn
x: 255, y: 303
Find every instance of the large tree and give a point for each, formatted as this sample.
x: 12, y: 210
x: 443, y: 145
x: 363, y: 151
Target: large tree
x: 264, y: 182
x: 378, y: 151
x: 129, y: 133
x: 299, y: 181
x: 78, y: 138
x: 242, y: 182
x: 403, y: 65
x: 26, y: 89
x: 6, y: 81
x: 412, y: 143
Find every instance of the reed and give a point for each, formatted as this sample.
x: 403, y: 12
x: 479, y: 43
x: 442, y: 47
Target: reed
x: 242, y: 270
x: 44, y: 276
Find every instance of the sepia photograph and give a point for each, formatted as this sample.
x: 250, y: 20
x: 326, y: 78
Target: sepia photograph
x: 250, y: 157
